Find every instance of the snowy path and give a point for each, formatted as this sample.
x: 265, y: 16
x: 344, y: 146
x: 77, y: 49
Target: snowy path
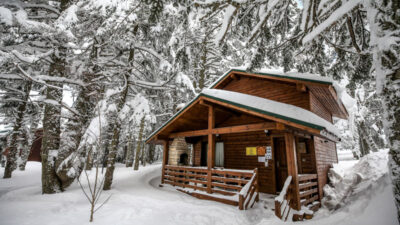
x: 137, y: 199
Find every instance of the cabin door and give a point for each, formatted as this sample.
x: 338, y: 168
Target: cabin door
x: 281, y: 170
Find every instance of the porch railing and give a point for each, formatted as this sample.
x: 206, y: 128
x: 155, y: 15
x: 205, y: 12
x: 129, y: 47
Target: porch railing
x: 240, y: 186
x: 308, y: 194
x: 248, y: 195
x: 308, y: 188
x: 282, y: 201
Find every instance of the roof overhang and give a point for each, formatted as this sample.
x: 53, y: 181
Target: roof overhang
x: 320, y: 86
x: 314, y: 129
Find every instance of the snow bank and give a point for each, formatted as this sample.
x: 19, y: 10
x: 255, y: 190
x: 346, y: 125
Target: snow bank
x: 345, y: 184
x: 137, y: 198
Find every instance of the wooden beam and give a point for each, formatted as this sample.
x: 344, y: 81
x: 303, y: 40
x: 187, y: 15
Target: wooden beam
x: 165, y: 159
x: 301, y: 87
x: 235, y: 76
x: 227, y: 130
x: 280, y: 126
x: 292, y: 169
x: 269, y: 77
x: 293, y: 124
x: 211, y: 146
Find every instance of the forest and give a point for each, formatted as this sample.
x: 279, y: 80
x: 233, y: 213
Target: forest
x: 99, y: 76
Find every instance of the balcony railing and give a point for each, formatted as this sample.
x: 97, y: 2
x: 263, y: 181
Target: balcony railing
x: 235, y: 187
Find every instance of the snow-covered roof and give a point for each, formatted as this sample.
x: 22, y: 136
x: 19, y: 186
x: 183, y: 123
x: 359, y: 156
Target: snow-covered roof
x: 265, y: 106
x: 272, y: 108
x: 309, y: 77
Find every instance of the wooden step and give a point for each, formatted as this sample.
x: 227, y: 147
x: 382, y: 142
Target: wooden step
x: 314, y: 206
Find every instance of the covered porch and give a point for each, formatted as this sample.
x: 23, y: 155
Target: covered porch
x: 218, y: 150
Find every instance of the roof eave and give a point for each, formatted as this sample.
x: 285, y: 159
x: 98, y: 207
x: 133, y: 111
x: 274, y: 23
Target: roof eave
x: 318, y: 129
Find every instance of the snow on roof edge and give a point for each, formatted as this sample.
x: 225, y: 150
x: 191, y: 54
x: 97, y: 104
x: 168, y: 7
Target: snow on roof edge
x: 275, y: 73
x: 274, y: 108
x: 324, y: 127
x: 310, y: 77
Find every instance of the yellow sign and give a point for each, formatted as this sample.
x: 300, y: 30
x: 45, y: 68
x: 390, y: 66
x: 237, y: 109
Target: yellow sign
x: 251, y: 150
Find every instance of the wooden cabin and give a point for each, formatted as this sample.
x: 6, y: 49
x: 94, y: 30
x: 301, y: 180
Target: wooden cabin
x: 251, y: 133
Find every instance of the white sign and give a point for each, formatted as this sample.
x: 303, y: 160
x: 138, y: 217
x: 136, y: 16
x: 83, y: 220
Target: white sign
x: 268, y: 154
x: 261, y: 159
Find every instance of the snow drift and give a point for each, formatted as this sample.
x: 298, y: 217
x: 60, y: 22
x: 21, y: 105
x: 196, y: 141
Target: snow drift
x: 348, y: 185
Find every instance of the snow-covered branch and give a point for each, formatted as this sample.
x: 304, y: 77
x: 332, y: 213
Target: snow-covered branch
x: 31, y: 58
x: 337, y: 14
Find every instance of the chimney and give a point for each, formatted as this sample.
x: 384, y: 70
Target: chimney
x: 178, y: 152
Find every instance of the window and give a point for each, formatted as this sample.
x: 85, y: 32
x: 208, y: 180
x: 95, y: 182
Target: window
x: 219, y: 154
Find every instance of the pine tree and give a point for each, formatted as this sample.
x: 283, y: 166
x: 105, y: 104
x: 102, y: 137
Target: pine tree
x: 17, y: 130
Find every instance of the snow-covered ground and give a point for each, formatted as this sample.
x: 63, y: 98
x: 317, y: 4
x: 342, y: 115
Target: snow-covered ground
x: 137, y: 199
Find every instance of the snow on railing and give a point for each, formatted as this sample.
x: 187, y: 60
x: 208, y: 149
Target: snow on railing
x: 282, y: 201
x: 249, y: 193
x: 282, y: 195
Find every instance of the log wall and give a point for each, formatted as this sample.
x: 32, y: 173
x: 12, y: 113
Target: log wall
x: 318, y: 108
x: 325, y: 154
x: 235, y: 157
x: 277, y: 91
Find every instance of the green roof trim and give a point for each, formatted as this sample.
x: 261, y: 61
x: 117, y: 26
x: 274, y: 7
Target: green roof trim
x: 271, y: 75
x: 267, y: 113
x: 310, y: 125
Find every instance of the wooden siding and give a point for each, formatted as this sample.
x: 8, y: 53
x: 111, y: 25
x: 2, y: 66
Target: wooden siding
x: 319, y: 109
x: 274, y: 90
x: 197, y: 153
x: 235, y: 157
x: 306, y: 161
x: 325, y: 154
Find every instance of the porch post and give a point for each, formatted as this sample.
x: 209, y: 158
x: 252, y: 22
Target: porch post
x: 165, y: 159
x: 292, y: 168
x: 211, y: 146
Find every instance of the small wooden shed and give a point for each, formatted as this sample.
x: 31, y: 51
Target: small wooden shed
x: 251, y: 133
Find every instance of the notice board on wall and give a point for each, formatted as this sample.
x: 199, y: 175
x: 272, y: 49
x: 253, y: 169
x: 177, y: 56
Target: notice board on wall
x: 251, y: 151
x: 261, y: 150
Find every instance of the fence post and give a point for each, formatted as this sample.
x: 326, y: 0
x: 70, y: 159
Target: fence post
x: 241, y: 202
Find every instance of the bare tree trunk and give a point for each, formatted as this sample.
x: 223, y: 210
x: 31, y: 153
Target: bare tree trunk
x: 138, y: 145
x: 387, y: 68
x: 111, y: 159
x: 151, y: 151
x: 89, y: 159
x: 115, y: 141
x: 144, y: 155
x: 25, y: 150
x: 129, y: 153
x: 52, y: 129
x: 75, y: 128
x: 13, y: 150
x: 28, y: 141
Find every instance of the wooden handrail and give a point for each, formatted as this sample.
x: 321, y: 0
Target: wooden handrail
x: 246, y: 194
x: 282, y: 201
